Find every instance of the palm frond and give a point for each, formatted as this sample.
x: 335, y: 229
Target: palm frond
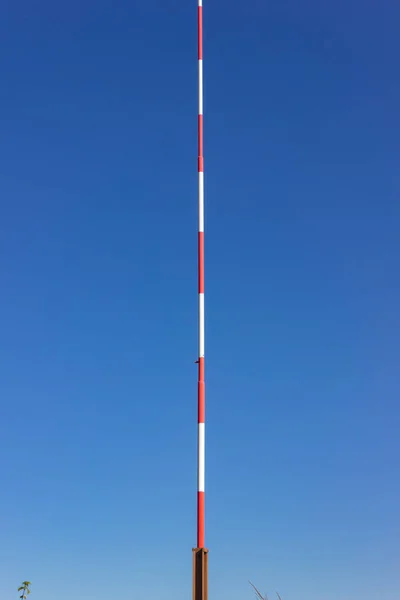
x: 258, y: 593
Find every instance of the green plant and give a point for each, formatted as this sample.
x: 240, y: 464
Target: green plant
x: 25, y: 589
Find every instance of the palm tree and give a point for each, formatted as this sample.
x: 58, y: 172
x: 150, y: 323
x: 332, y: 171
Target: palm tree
x: 25, y: 589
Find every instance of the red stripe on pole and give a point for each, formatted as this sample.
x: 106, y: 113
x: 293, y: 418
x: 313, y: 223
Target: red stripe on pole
x: 200, y: 164
x: 200, y: 519
x: 201, y: 393
x: 200, y: 42
x: 201, y: 262
x: 202, y: 408
x: 201, y: 368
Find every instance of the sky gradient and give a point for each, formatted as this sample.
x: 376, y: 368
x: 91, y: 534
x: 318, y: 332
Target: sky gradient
x: 98, y: 321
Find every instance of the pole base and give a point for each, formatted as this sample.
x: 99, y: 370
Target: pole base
x: 200, y: 574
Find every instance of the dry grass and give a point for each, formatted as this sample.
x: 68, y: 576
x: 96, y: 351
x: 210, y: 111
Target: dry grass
x: 259, y: 595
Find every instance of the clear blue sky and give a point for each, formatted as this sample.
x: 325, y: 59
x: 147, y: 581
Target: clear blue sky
x: 98, y: 192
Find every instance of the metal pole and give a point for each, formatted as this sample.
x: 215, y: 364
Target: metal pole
x: 200, y: 554
x: 201, y: 385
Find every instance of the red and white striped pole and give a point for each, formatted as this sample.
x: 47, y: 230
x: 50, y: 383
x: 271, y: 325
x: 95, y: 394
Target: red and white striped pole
x: 200, y: 554
x: 201, y: 384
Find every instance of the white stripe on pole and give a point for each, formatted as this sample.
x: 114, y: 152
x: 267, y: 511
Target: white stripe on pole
x: 201, y: 325
x: 200, y: 86
x: 201, y: 201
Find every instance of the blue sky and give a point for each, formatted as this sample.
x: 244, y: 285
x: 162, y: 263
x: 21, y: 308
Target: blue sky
x: 98, y: 192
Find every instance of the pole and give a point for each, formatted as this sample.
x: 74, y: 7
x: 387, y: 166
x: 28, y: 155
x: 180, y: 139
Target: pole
x: 200, y: 554
x: 201, y: 384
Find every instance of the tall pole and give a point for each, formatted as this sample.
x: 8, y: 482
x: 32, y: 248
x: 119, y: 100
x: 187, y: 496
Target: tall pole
x: 201, y: 384
x: 200, y: 554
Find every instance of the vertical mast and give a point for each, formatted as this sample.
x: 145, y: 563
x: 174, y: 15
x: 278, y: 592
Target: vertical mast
x: 200, y: 554
x: 201, y: 384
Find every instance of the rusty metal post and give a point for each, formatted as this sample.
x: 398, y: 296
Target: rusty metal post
x: 200, y: 574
